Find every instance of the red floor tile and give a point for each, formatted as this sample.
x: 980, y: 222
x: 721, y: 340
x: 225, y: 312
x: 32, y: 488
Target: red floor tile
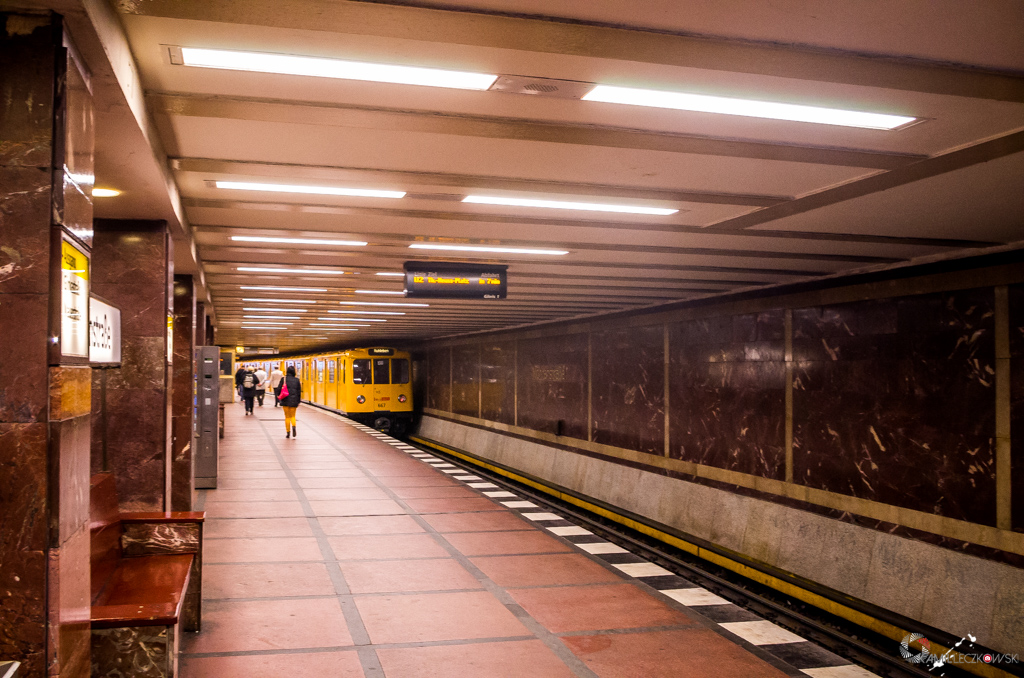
x: 552, y: 570
x: 505, y: 543
x: 477, y: 522
x: 265, y: 549
x: 510, y: 659
x: 245, y: 625
x: 328, y: 664
x: 328, y: 473
x: 432, y: 480
x: 399, y: 576
x: 433, y: 492
x: 243, y: 473
x: 253, y: 483
x: 266, y: 580
x: 240, y: 528
x: 364, y: 507
x: 453, y: 505
x: 344, y: 493
x: 382, y: 547
x: 694, y: 653
x: 214, y: 496
x: 296, y: 465
x: 255, y: 509
x: 592, y: 608
x: 437, y: 616
x: 372, y: 525
x: 311, y: 483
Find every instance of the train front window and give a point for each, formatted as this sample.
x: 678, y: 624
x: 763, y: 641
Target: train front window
x: 381, y: 373
x: 399, y: 371
x: 360, y: 371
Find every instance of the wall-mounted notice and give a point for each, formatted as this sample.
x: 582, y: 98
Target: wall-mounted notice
x: 74, y: 324
x: 104, y: 332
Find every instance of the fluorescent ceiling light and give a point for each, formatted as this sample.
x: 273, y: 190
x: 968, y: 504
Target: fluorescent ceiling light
x: 334, y: 68
x: 379, y: 292
x: 250, y: 269
x: 282, y: 301
x: 358, y: 320
x: 703, y: 103
x: 273, y: 317
x: 272, y: 310
x: 105, y: 193
x: 300, y: 241
x: 309, y: 190
x: 399, y: 275
x: 262, y: 327
x: 339, y: 329
x: 370, y: 312
x: 476, y: 248
x: 380, y: 303
x: 568, y: 205
x: 330, y: 325
x: 283, y: 289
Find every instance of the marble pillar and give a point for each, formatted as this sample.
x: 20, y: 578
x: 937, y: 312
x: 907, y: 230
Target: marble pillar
x: 133, y: 269
x: 185, y: 314
x: 46, y: 151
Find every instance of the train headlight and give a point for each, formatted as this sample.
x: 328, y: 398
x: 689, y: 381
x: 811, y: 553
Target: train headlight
x: 360, y: 399
x: 402, y: 398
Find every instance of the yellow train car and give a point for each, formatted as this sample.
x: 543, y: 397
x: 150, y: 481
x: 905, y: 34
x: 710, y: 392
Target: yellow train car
x: 370, y: 385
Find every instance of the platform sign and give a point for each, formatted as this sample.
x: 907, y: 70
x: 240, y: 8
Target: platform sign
x: 104, y: 332
x: 455, y: 280
x: 74, y: 318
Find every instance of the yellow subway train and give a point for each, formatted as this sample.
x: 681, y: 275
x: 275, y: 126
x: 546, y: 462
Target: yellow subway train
x: 370, y: 385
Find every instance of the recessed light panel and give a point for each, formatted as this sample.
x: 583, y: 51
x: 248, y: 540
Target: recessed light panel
x: 300, y: 241
x: 485, y: 248
x: 282, y: 301
x: 370, y: 312
x: 310, y: 190
x: 283, y: 289
x: 702, y: 103
x: 356, y: 320
x: 380, y: 303
x: 568, y: 205
x: 379, y: 292
x: 256, y: 269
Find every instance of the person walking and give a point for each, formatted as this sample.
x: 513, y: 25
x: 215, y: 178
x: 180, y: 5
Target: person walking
x: 248, y: 390
x: 238, y: 380
x: 276, y: 377
x: 290, y: 402
x: 261, y: 385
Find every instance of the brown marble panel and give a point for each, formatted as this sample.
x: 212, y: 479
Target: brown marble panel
x: 28, y: 61
x: 78, y: 155
x: 140, y: 652
x: 25, y: 236
x: 24, y: 396
x: 70, y: 391
x: 628, y: 391
x: 894, y: 401
x: 497, y: 371
x: 728, y: 399
x: 1016, y: 298
x: 183, y: 370
x: 69, y: 481
x: 151, y: 539
x: 97, y: 462
x: 69, y: 600
x: 552, y: 373
x: 466, y: 380
x: 439, y: 387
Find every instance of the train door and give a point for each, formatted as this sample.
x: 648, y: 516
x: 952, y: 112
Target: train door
x: 361, y: 388
x: 331, y: 396
x: 342, y: 386
x: 381, y: 384
x: 320, y: 378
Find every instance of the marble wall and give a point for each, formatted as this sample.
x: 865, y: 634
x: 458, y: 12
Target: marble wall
x: 894, y: 401
x: 497, y: 377
x: 133, y: 270
x: 183, y: 371
x: 466, y: 380
x: 728, y: 392
x: 439, y: 379
x: 628, y: 391
x: 45, y: 141
x: 552, y: 384
x: 1016, y: 323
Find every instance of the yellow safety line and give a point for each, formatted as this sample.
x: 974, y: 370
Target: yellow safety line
x: 827, y: 604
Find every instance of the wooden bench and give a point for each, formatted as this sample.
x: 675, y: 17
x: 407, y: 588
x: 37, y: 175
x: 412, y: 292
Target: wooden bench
x: 146, y: 584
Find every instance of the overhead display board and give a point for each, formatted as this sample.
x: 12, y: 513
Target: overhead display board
x: 104, y: 332
x: 455, y: 280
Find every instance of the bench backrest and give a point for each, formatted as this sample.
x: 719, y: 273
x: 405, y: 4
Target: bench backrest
x: 104, y: 528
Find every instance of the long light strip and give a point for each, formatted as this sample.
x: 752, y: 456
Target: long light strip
x: 568, y: 205
x: 380, y: 303
x: 283, y: 289
x: 273, y: 317
x: 263, y: 327
x: 402, y: 293
x: 250, y: 269
x: 309, y: 190
x: 333, y: 325
x: 360, y: 320
x: 370, y: 312
x: 281, y: 301
x: 703, y: 103
x: 274, y: 310
x: 399, y: 275
x: 300, y: 241
x: 481, y: 248
x: 284, y: 64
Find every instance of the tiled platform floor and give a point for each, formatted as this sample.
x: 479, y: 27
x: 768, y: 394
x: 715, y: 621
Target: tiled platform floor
x: 340, y: 554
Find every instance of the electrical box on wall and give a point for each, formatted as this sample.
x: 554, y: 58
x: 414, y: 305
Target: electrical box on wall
x: 206, y: 419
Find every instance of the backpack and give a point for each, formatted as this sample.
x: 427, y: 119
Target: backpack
x: 248, y: 383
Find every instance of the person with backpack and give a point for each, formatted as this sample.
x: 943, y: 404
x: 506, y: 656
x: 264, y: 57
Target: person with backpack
x: 238, y: 380
x: 248, y: 387
x: 261, y: 384
x: 291, y: 395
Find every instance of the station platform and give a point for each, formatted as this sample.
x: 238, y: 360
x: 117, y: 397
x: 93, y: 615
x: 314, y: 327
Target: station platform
x: 347, y: 553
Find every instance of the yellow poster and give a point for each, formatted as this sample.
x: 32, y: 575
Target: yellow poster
x: 74, y: 323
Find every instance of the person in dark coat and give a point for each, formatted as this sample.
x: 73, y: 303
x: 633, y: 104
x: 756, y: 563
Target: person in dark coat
x: 249, y: 381
x: 291, y: 401
x: 238, y: 380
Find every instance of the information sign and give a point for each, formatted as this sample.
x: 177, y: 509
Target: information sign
x: 104, y: 332
x: 74, y: 320
x: 455, y: 280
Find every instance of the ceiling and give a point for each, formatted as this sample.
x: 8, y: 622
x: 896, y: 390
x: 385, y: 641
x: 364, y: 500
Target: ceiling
x: 759, y: 201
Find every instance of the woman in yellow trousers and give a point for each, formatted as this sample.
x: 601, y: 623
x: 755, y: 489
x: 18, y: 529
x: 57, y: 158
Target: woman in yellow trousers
x: 290, y: 402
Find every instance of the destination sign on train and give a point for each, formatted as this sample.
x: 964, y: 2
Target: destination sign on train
x: 455, y: 280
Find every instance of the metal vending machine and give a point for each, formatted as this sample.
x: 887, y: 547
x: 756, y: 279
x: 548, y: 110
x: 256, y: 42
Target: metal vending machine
x: 205, y: 420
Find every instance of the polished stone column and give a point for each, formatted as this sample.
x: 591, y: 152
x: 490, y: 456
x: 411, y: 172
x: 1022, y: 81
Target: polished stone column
x: 133, y: 270
x: 46, y: 151
x: 185, y: 315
